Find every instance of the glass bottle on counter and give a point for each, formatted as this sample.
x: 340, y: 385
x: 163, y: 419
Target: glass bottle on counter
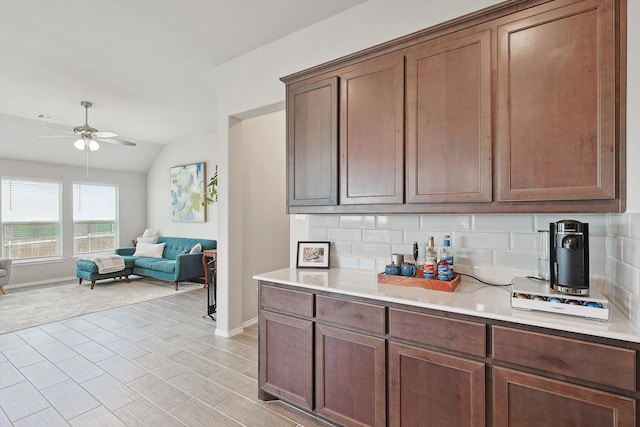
x: 448, y: 255
x: 430, y: 260
x: 443, y: 265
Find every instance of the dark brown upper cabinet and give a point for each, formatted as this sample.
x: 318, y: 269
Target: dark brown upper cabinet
x: 556, y: 104
x: 312, y: 143
x: 372, y: 131
x: 448, y: 115
x: 519, y: 107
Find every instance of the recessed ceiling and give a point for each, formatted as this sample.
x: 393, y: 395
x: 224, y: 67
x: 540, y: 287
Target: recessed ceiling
x: 147, y: 65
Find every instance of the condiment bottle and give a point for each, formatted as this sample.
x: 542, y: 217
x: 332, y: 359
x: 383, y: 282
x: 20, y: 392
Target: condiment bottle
x: 443, y: 266
x: 448, y: 255
x: 430, y: 260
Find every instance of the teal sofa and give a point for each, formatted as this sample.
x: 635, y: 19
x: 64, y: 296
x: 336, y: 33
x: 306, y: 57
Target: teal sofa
x: 174, y: 266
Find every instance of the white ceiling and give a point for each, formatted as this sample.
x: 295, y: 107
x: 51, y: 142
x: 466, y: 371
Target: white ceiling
x: 147, y: 66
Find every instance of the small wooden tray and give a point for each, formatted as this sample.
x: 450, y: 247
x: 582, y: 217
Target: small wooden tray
x: 437, y: 285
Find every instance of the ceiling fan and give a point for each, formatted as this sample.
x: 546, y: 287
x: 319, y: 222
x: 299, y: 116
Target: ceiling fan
x: 88, y: 137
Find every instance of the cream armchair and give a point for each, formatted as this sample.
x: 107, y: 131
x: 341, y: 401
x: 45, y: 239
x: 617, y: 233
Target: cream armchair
x: 5, y: 273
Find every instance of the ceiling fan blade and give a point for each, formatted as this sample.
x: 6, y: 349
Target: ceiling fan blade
x: 116, y: 141
x: 103, y: 134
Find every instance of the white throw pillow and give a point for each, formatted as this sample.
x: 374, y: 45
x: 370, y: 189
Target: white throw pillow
x: 149, y: 232
x: 152, y: 240
x: 149, y: 250
x: 197, y: 248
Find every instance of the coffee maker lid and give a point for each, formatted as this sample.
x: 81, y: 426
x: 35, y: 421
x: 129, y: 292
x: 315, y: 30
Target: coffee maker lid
x: 570, y: 225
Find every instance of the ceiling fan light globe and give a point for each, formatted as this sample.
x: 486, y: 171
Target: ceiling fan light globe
x: 93, y: 145
x: 79, y: 144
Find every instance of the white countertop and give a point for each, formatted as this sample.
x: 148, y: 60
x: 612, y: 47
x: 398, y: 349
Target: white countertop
x: 471, y: 298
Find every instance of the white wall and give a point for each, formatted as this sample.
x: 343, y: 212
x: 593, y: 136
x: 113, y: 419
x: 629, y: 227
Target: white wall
x: 265, y: 220
x: 252, y: 81
x: 132, y: 213
x: 194, y: 150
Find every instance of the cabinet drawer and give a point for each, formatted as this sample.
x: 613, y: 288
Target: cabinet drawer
x: 359, y: 315
x: 599, y: 363
x: 286, y: 300
x: 452, y: 334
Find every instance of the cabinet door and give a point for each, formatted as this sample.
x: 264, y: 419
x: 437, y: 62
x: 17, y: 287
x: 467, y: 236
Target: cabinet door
x: 523, y: 399
x: 556, y: 104
x: 448, y: 118
x: 371, y: 131
x: 427, y: 388
x: 312, y: 143
x: 286, y: 358
x: 350, y: 377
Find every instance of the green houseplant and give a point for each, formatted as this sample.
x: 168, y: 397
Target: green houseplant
x: 211, y: 192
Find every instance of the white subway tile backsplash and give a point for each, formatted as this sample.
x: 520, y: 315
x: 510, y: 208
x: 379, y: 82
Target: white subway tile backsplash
x: 524, y: 241
x: 597, y: 266
x: 445, y: 222
x: 383, y: 236
x: 613, y: 247
x: 367, y: 264
x: 597, y: 245
x: 348, y: 263
x: 419, y: 236
x: 618, y: 225
x: 626, y: 277
x: 323, y: 221
x: 634, y: 225
x: 398, y: 222
x: 491, y: 242
x: 522, y: 223
x: 482, y: 240
x: 341, y: 249
x: 473, y: 257
x: 344, y: 235
x: 372, y: 251
x: 357, y: 221
x: 631, y: 252
x: 318, y: 233
x: 517, y: 259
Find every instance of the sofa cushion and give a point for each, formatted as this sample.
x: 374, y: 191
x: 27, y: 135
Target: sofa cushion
x: 164, y: 266
x: 3, y: 272
x: 145, y: 262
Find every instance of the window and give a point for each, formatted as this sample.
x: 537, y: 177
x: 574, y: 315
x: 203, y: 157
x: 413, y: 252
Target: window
x: 31, y: 219
x: 95, y: 218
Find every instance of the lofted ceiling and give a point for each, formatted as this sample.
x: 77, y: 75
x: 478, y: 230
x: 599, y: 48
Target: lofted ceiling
x: 147, y: 66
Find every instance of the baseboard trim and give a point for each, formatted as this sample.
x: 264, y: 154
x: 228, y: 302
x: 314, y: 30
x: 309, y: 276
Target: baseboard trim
x: 228, y: 334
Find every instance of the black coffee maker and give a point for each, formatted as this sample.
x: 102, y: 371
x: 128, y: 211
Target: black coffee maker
x: 569, y: 256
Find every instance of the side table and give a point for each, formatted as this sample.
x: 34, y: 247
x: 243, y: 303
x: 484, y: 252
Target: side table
x: 210, y: 264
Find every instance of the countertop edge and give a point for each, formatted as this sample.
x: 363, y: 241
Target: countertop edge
x: 618, y: 328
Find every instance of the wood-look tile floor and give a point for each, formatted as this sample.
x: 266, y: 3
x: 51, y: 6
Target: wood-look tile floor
x: 155, y: 363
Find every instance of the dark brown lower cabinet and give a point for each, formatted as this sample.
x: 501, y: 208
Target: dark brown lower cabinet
x: 361, y: 362
x: 350, y: 377
x: 432, y: 389
x: 286, y: 358
x: 521, y: 399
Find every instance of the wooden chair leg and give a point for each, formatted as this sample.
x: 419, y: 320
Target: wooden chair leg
x: 79, y: 280
x: 127, y: 278
x: 175, y: 284
x: 2, y: 290
x: 93, y: 282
